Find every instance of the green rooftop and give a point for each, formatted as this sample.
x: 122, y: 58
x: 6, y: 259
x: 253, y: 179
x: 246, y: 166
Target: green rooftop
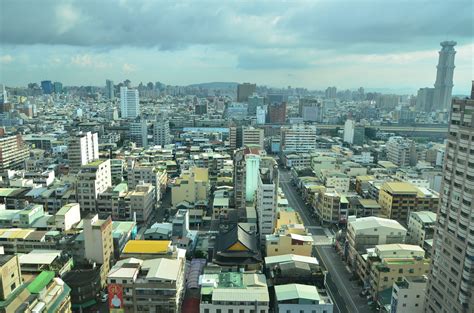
x: 122, y: 187
x: 95, y: 163
x: 41, y: 281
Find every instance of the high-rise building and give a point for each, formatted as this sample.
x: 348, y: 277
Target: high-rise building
x: 139, y: 132
x: 58, y: 87
x: 252, y: 165
x: 83, y: 149
x: 129, y: 102
x: 298, y: 138
x: 267, y: 197
x: 13, y: 152
x: 47, y: 87
x: 3, y: 94
x: 92, y: 179
x: 276, y: 113
x: 244, y: 91
x: 109, y: 89
x: 161, y: 132
x: 240, y: 176
x: 254, y: 101
x: 311, y: 110
x: 451, y: 280
x: 331, y: 92
x: 98, y: 243
x: 261, y: 114
x: 235, y: 137
x: 353, y: 134
x: 424, y: 99
x: 444, y: 76
x: 252, y: 136
x: 401, y: 151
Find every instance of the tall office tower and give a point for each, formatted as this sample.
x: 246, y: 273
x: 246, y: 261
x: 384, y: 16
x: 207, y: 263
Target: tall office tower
x: 98, y: 243
x: 310, y: 110
x: 161, y: 132
x: 13, y: 152
x: 3, y: 94
x: 254, y: 101
x: 58, y: 87
x: 93, y: 179
x: 267, y: 197
x: 444, y: 76
x: 244, y: 91
x: 424, y: 99
x: 109, y: 89
x: 276, y: 112
x: 47, y: 87
x: 331, y: 92
x: 252, y: 165
x: 235, y: 137
x: 82, y: 149
x: 139, y: 132
x: 241, y: 174
x: 129, y: 103
x: 298, y: 138
x: 451, y: 280
x: 354, y: 134
x: 261, y: 114
x: 252, y: 136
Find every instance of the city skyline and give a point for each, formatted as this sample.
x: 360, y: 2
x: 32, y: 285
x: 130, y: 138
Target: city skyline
x: 274, y: 44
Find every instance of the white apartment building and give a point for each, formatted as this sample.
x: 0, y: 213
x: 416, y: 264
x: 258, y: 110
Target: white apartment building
x: 129, y: 103
x: 92, y: 179
x: 148, y: 174
x: 161, y: 133
x: 401, y: 151
x: 367, y: 232
x: 267, y: 200
x: 409, y: 295
x: 83, y: 149
x: 298, y: 138
x: 142, y: 202
x: 420, y: 227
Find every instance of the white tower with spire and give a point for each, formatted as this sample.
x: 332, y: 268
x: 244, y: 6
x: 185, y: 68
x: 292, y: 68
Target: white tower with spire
x: 444, y: 76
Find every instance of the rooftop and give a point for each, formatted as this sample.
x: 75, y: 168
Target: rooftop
x: 147, y: 246
x: 371, y: 222
x: 296, y: 291
x: 400, y: 187
x: 41, y: 281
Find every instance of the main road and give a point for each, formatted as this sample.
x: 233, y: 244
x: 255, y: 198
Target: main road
x: 344, y: 292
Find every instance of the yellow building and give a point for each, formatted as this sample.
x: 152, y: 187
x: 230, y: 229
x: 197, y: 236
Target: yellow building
x: 192, y: 186
x: 398, y: 199
x: 290, y: 243
x: 390, y: 263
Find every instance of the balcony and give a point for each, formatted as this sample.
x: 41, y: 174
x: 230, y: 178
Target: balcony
x: 467, y: 275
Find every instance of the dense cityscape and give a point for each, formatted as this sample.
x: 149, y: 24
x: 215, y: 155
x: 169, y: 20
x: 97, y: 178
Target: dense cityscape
x: 236, y: 197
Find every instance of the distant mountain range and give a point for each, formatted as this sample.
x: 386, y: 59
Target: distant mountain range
x: 216, y: 85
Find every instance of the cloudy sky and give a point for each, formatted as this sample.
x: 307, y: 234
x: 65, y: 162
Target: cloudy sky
x: 313, y: 44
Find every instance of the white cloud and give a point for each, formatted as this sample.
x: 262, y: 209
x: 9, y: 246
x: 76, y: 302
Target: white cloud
x: 88, y: 60
x: 128, y: 68
x: 6, y: 58
x: 66, y: 17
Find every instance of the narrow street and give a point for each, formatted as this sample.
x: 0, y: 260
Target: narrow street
x: 344, y: 292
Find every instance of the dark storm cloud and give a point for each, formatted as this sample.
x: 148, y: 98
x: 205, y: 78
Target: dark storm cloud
x: 170, y: 25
